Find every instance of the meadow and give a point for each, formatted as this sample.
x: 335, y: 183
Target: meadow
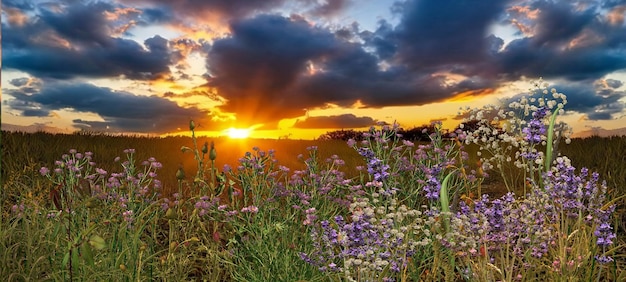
x: 520, y: 203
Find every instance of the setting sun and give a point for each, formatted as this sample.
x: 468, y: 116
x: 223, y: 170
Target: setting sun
x: 238, y: 133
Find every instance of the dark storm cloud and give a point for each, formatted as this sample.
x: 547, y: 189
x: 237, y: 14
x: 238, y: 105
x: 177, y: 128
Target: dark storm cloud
x: 185, y: 9
x: 40, y: 47
x: 520, y: 59
x: 607, y: 99
x: 273, y: 67
x: 18, y: 82
x: 558, y: 22
x: 234, y: 9
x: 255, y: 67
x: 19, y: 4
x: 614, y: 83
x: 329, y: 7
x: 339, y: 121
x: 606, y: 111
x: 122, y: 58
x: 383, y: 40
x: 81, y: 23
x: 567, y: 43
x: 436, y: 33
x: 156, y: 15
x: 594, y: 99
x: 598, y: 100
x: 121, y: 111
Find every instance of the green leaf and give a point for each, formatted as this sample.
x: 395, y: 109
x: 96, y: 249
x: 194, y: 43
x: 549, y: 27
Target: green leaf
x: 74, y: 257
x: 66, y: 259
x: 87, y: 253
x: 97, y: 242
x: 445, y: 201
x: 548, y: 160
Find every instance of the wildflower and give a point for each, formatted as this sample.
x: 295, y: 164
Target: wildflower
x: 375, y: 166
x: 432, y: 188
x: 603, y: 231
x: 310, y: 216
x: 250, y: 209
x: 44, y: 171
x: 603, y: 259
x: 128, y: 216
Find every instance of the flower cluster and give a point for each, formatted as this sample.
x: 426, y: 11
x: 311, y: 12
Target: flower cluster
x: 371, y: 240
x: 204, y: 205
x: 375, y: 166
x: 78, y: 179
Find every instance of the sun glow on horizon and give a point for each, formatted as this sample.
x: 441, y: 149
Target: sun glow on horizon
x: 238, y: 133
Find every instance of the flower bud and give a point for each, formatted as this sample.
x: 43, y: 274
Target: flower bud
x: 170, y: 214
x: 192, y: 125
x: 205, y: 147
x: 173, y: 246
x: 180, y: 173
x: 213, y: 153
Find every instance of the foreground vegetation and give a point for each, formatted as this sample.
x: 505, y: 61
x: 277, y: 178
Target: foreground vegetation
x: 380, y: 209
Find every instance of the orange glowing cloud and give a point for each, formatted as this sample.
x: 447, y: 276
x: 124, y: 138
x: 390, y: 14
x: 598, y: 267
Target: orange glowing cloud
x: 15, y: 16
x: 524, y: 11
x: 471, y: 95
x: 616, y: 16
x: 584, y: 39
x: 120, y: 13
x: 525, y: 14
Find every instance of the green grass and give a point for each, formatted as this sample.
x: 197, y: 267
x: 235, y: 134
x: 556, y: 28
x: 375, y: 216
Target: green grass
x: 185, y: 245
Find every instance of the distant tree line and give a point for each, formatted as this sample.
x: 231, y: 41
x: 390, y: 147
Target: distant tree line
x: 418, y: 133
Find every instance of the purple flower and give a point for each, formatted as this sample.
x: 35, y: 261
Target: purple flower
x: 375, y: 166
x: 44, y: 171
x: 536, y: 127
x: 603, y: 259
x: 432, y: 187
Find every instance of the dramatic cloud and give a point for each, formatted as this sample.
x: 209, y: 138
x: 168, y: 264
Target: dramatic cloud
x: 78, y: 41
x: 340, y: 121
x: 592, y: 99
x: 566, y: 43
x: 264, y: 61
x: 122, y: 111
x: 220, y: 11
x: 445, y: 32
x: 256, y: 67
x: 263, y: 77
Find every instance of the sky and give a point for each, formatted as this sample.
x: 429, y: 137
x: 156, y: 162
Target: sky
x: 301, y: 68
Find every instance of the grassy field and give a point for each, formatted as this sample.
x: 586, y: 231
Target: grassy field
x: 24, y: 153
x: 298, y: 214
